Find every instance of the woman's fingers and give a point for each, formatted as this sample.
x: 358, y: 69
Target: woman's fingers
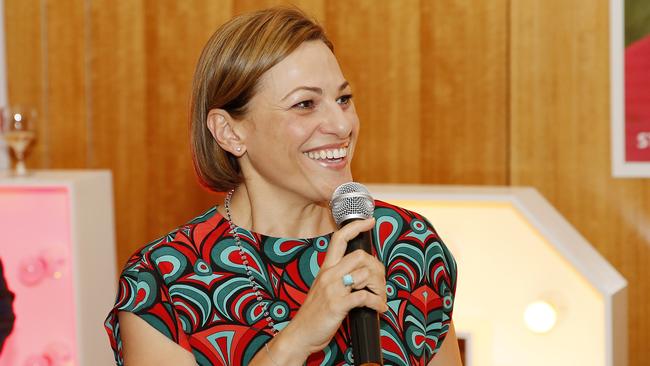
x: 352, y: 262
x: 363, y: 279
x: 360, y: 259
x: 367, y: 299
x: 365, y: 272
x: 360, y: 278
x: 339, y: 240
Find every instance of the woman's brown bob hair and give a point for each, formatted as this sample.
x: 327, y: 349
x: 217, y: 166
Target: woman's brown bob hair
x: 227, y: 74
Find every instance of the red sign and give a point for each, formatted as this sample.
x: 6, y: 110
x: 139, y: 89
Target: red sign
x: 637, y: 101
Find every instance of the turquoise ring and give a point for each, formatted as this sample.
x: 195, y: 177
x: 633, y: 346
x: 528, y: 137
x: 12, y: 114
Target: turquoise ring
x: 348, y: 280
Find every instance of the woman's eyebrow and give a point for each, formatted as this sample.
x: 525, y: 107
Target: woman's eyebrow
x: 310, y: 88
x: 314, y: 89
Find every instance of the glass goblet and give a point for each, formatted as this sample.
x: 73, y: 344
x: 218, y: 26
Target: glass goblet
x: 18, y: 129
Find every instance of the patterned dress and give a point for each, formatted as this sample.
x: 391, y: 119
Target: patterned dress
x: 191, y: 286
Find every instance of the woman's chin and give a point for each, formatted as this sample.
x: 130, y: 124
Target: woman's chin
x: 328, y: 189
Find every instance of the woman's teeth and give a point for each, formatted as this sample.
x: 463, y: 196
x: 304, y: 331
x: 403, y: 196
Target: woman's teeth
x: 327, y: 154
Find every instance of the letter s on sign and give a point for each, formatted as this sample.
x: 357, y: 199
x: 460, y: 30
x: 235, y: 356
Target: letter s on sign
x: 643, y: 140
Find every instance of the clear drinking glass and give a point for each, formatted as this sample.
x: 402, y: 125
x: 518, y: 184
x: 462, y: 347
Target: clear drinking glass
x: 18, y: 129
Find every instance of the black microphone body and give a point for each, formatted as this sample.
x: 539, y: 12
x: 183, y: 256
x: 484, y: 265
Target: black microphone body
x: 364, y: 321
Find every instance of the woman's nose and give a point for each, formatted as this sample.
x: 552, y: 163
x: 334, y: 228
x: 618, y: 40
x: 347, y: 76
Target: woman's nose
x: 338, y: 121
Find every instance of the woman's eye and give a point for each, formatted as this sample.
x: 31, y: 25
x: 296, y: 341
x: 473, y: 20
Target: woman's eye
x: 345, y: 99
x: 305, y: 104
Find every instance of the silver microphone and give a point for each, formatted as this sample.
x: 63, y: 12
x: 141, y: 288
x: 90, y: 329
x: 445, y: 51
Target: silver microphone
x: 352, y: 201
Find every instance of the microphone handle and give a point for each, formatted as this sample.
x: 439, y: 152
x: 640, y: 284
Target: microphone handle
x: 364, y: 322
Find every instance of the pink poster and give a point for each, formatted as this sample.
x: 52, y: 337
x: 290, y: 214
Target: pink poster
x: 630, y: 87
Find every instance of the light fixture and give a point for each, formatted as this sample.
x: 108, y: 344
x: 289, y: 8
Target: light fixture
x: 540, y: 317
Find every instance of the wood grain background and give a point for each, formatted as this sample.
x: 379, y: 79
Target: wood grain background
x: 449, y: 92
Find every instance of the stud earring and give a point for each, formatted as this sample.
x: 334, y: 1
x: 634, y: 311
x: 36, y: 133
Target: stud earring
x: 238, y: 148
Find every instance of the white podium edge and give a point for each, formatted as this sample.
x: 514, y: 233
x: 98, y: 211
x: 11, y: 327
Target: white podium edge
x: 558, y: 232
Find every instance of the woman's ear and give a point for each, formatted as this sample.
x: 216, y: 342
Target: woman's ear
x: 221, y: 126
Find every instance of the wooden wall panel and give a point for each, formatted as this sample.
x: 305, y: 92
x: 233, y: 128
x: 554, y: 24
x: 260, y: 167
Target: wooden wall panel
x: 141, y: 86
x: 175, y: 196
x: 381, y: 61
x: 24, y: 66
x: 66, y: 123
x: 430, y: 89
x: 314, y: 8
x: 560, y: 140
x: 464, y: 132
x: 119, y: 116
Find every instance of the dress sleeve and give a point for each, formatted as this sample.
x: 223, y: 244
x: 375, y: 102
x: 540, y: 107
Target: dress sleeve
x: 142, y: 291
x: 441, y: 277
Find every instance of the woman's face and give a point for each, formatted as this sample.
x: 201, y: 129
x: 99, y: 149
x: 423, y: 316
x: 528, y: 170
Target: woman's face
x: 301, y: 127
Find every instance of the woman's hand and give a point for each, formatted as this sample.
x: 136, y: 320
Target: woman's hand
x: 329, y: 300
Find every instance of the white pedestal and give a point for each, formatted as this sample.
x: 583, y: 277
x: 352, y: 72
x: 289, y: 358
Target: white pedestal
x: 57, y: 243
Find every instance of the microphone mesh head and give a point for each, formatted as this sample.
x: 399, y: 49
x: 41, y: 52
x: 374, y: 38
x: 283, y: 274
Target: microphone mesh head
x: 351, y: 201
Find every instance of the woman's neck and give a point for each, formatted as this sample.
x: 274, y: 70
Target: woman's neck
x: 279, y: 214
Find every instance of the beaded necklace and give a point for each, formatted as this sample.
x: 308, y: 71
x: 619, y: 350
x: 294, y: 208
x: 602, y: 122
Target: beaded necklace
x: 256, y: 287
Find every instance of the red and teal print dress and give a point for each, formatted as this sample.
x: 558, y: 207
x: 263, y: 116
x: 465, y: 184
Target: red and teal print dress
x: 191, y: 286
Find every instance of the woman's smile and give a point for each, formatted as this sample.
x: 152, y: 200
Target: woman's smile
x: 329, y: 157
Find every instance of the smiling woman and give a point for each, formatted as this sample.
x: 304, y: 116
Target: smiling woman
x: 285, y: 138
x: 264, y: 279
